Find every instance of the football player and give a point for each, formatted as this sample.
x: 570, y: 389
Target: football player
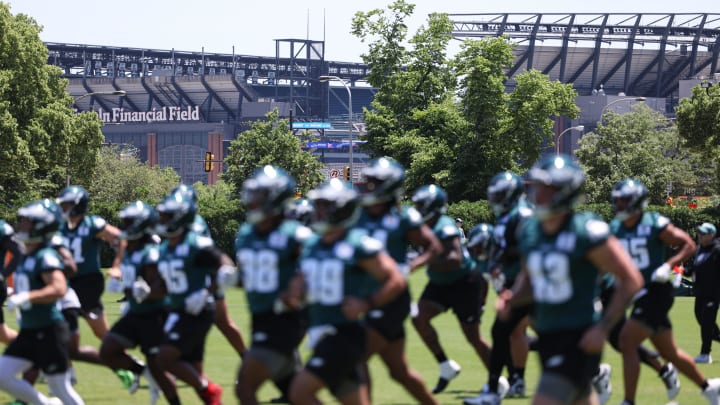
x: 142, y: 324
x: 222, y: 318
x: 563, y: 253
x: 645, y: 235
x: 188, y: 264
x: 396, y: 227
x: 267, y: 249
x: 452, y: 284
x: 506, y: 193
x: 83, y: 235
x: 44, y: 336
x: 335, y: 266
x: 10, y: 256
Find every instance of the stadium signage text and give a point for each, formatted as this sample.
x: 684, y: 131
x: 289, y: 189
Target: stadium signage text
x: 164, y: 114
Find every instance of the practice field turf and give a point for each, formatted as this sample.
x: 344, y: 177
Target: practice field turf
x: 99, y: 386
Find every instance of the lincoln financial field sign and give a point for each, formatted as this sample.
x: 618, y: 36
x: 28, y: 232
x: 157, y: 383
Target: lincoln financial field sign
x: 164, y: 114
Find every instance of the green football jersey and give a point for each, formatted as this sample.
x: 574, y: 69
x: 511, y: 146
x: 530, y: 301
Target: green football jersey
x: 331, y: 273
x: 505, y: 238
x: 133, y: 265
x: 200, y: 226
x: 84, y: 243
x: 28, y: 276
x: 180, y: 269
x: 643, y: 242
x: 268, y: 262
x: 445, y: 229
x: 391, y: 230
x: 565, y: 283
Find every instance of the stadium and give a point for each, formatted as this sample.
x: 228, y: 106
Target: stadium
x: 176, y: 105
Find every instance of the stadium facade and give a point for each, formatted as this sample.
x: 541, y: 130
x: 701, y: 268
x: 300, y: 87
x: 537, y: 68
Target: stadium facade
x: 177, y: 105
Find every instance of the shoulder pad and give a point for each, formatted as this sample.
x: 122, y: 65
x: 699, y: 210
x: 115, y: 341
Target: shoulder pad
x: 302, y: 233
x: 98, y: 222
x: 597, y: 229
x: 51, y: 262
x: 371, y: 245
x: 662, y: 221
x: 414, y: 215
x: 204, y: 242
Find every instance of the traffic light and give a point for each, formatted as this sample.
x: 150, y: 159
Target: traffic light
x: 346, y: 173
x: 209, y: 161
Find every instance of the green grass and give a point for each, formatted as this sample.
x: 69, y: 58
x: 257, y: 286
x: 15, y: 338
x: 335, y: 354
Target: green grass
x: 99, y: 386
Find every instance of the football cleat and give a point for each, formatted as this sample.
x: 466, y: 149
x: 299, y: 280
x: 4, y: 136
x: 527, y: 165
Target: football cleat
x: 712, y: 391
x: 449, y: 369
x: 671, y: 381
x: 601, y: 383
x: 517, y: 388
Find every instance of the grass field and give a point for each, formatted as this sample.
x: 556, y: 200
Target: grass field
x: 99, y: 386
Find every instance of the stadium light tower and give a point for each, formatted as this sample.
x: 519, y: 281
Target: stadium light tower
x: 324, y: 79
x: 620, y: 100
x: 557, y: 141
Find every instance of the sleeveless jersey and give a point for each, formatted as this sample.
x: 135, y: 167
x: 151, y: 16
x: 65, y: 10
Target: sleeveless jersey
x: 643, y: 242
x: 133, y: 266
x: 391, y: 230
x: 180, y: 270
x: 331, y: 273
x: 445, y: 229
x: 84, y: 243
x: 505, y: 237
x: 564, y: 281
x: 268, y: 262
x: 28, y: 276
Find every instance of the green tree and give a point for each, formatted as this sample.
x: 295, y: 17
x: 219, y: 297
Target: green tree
x: 698, y: 120
x: 121, y: 178
x: 450, y: 120
x: 39, y: 132
x: 641, y: 144
x: 220, y: 208
x: 271, y: 142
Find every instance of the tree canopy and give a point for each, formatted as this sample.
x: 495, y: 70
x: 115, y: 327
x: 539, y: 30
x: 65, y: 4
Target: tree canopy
x: 642, y: 144
x: 449, y: 120
x: 271, y: 142
x: 42, y: 138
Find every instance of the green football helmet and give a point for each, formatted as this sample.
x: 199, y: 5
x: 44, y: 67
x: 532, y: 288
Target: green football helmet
x: 44, y: 218
x: 79, y: 198
x: 504, y: 191
x: 430, y: 200
x: 480, y: 235
x: 300, y: 210
x: 137, y: 220
x: 562, y: 174
x: 634, y: 192
x: 176, y: 214
x: 384, y: 179
x: 336, y: 205
x: 266, y: 193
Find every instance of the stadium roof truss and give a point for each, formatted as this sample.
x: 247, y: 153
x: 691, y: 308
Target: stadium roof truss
x: 218, y: 83
x: 639, y: 54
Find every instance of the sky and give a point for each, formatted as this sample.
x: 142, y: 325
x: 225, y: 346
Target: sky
x: 252, y: 26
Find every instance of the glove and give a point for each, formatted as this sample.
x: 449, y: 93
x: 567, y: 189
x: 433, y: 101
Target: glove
x: 227, y: 276
x: 140, y: 290
x: 195, y: 302
x: 19, y: 300
x: 661, y: 274
x: 114, y: 285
